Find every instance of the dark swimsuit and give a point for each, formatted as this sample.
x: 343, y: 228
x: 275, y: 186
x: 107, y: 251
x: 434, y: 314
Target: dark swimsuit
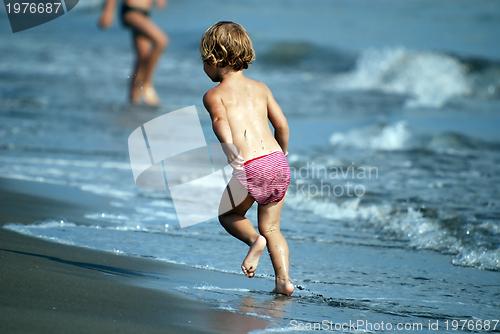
x: 125, y: 9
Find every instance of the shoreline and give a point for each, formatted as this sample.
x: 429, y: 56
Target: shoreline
x: 56, y: 288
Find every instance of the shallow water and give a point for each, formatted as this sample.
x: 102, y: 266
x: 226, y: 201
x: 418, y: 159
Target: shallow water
x: 393, y: 211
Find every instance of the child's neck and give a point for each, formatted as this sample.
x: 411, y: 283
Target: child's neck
x: 228, y: 74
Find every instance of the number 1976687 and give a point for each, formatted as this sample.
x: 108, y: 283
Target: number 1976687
x: 33, y: 8
x: 487, y: 325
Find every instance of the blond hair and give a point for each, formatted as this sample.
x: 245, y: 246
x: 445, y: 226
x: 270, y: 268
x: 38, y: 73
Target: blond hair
x: 227, y: 44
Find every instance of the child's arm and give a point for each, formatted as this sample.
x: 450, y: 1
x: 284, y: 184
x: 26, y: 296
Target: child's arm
x: 278, y: 120
x: 221, y: 128
x: 108, y: 14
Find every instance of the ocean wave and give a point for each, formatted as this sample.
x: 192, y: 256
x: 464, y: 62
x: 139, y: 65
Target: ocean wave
x: 472, y: 245
x: 484, y: 75
x: 306, y: 56
x: 346, y: 210
x: 430, y: 79
x: 482, y: 259
x: 399, y: 136
x: 409, y: 206
x: 389, y: 137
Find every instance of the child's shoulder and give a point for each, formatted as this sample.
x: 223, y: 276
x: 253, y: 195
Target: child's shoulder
x: 217, y: 93
x: 259, y: 85
x: 211, y: 96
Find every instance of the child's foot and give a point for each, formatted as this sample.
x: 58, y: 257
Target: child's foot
x: 284, y: 286
x: 252, y: 259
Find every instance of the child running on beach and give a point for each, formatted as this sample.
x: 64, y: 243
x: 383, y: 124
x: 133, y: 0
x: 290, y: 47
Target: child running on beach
x: 149, y: 42
x: 240, y: 109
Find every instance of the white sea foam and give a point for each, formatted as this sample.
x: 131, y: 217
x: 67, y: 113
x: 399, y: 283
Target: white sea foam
x: 411, y: 225
x: 33, y: 230
x: 163, y: 204
x: 26, y: 229
x: 273, y: 328
x: 429, y: 78
x: 426, y: 233
x: 349, y: 209
x: 228, y: 308
x: 206, y: 286
x: 67, y: 162
x: 107, y: 191
x: 396, y: 136
x: 109, y: 217
x: 485, y: 259
x: 157, y: 213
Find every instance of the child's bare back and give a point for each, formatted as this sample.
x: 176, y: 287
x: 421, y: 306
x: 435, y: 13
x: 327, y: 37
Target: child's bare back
x: 240, y: 109
x: 248, y: 105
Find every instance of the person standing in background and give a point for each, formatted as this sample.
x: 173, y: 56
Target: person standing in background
x: 149, y: 42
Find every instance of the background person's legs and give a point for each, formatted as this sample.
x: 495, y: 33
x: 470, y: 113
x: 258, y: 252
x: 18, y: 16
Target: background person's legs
x: 149, y: 42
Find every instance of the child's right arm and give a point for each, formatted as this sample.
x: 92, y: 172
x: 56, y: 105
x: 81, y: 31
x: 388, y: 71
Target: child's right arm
x: 108, y: 14
x: 217, y: 110
x: 278, y: 120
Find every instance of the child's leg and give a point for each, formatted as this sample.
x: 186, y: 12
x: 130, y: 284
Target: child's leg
x: 149, y: 41
x: 235, y: 223
x: 269, y: 227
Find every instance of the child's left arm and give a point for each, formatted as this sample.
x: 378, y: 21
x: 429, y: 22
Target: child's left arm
x: 279, y: 122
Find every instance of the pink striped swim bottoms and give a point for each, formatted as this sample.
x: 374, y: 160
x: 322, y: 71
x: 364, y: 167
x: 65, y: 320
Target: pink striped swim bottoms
x: 266, y: 178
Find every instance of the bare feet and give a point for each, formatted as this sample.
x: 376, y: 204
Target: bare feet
x: 252, y: 259
x: 149, y: 96
x: 146, y: 94
x: 284, y: 286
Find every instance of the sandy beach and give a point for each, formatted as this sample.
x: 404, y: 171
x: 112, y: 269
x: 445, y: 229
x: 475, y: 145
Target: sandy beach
x: 52, y: 288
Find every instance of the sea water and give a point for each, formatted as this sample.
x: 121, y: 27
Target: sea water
x: 392, y: 214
